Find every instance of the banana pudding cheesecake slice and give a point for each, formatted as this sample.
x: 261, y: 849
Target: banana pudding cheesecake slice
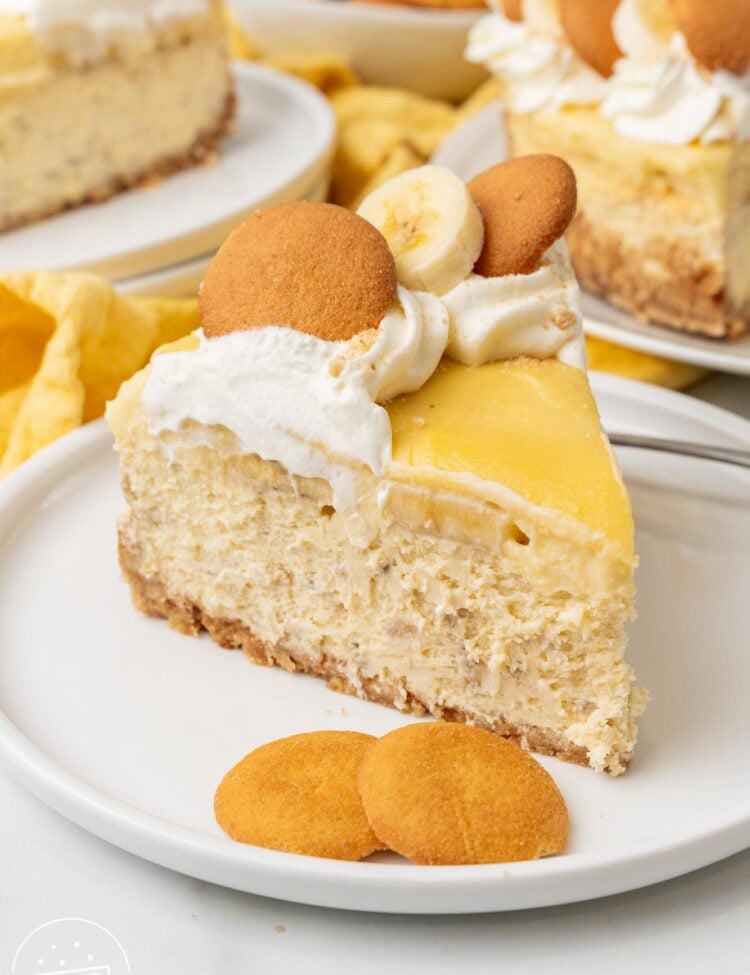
x: 99, y: 97
x: 380, y: 461
x: 649, y: 102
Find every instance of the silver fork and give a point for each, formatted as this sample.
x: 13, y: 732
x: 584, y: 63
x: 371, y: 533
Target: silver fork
x: 725, y: 455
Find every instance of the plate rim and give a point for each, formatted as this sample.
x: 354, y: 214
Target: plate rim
x: 659, y: 340
x: 168, y: 248
x: 394, y: 14
x: 385, y: 888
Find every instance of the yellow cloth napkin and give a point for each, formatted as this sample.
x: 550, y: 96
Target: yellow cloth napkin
x: 67, y: 341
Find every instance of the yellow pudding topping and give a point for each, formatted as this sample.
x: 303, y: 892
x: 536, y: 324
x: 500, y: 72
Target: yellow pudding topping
x: 529, y: 424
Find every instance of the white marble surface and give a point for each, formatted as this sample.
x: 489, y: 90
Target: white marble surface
x: 171, y: 924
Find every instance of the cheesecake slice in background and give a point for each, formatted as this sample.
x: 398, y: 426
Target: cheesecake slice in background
x: 649, y: 102
x: 97, y: 98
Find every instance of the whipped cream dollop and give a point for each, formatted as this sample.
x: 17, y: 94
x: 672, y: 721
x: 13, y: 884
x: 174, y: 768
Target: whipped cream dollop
x: 538, y: 69
x: 642, y: 33
x: 536, y: 314
x: 402, y: 353
x: 309, y: 404
x: 657, y: 92
x: 670, y: 99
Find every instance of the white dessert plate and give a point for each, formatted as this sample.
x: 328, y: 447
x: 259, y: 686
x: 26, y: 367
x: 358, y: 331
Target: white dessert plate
x: 126, y: 727
x: 280, y: 150
x: 183, y: 279
x: 386, y: 44
x: 480, y: 142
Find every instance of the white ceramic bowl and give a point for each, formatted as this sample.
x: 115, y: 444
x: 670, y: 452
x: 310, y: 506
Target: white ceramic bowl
x: 401, y: 47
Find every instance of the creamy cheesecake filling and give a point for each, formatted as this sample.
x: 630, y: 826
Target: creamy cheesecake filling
x: 657, y: 93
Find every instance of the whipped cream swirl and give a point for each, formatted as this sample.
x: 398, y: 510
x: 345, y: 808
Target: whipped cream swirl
x: 537, y: 68
x: 671, y: 100
x: 309, y: 404
x: 536, y: 314
x: 657, y: 93
x: 404, y: 350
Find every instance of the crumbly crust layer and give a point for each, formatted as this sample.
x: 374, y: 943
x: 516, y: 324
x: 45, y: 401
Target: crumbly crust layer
x: 202, y: 152
x: 150, y: 597
x: 664, y: 282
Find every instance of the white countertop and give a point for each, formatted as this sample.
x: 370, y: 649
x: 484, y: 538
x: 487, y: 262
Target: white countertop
x: 171, y: 924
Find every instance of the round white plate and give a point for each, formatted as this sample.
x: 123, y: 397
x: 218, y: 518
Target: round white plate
x: 386, y: 44
x: 126, y: 727
x: 183, y: 279
x: 280, y: 149
x: 479, y: 143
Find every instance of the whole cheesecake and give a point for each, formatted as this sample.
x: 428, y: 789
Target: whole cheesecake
x: 99, y: 97
x: 649, y: 102
x: 380, y: 462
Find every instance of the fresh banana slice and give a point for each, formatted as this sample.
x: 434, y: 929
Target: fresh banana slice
x: 432, y: 225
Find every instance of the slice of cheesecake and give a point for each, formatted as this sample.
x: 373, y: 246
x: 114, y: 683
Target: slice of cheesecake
x: 659, y: 144
x: 664, y: 233
x: 94, y: 102
x: 443, y: 537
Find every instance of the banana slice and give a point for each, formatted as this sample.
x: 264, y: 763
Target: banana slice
x: 432, y: 225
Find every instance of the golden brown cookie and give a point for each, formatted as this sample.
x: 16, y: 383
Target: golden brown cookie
x: 300, y: 795
x: 527, y: 204
x: 315, y: 267
x: 717, y: 32
x: 588, y: 24
x: 513, y: 9
x: 450, y: 794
